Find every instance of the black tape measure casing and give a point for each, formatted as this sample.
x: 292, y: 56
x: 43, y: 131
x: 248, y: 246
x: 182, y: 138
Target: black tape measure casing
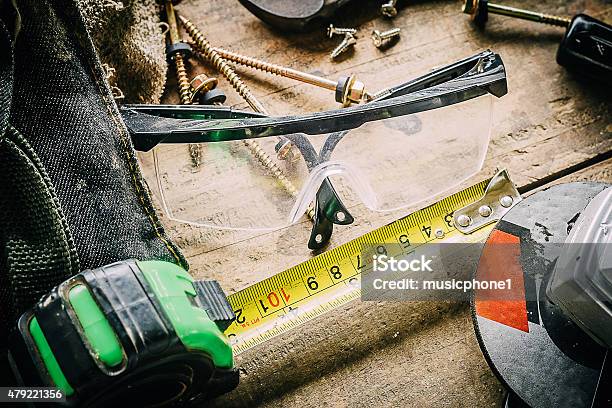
x: 141, y: 332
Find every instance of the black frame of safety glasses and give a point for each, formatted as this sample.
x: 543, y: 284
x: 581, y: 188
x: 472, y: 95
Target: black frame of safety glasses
x: 150, y: 125
x: 475, y: 76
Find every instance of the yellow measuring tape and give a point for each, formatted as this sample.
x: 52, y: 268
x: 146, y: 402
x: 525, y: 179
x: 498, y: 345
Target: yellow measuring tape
x: 312, y: 288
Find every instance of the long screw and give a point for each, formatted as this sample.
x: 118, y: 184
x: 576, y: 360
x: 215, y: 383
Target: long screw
x: 181, y: 74
x: 355, y: 92
x: 218, y: 62
x: 379, y: 38
x: 183, y: 80
x: 175, y: 38
x: 479, y: 10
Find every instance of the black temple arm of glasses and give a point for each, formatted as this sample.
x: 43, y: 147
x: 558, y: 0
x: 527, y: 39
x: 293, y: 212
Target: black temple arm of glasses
x: 482, y: 61
x: 150, y: 125
x: 470, y: 78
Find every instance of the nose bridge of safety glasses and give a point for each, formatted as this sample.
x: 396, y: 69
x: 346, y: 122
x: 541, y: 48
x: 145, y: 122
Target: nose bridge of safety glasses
x: 328, y: 209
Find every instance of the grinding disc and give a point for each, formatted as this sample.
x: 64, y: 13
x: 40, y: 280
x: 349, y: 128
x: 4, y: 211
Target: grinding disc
x: 538, y: 353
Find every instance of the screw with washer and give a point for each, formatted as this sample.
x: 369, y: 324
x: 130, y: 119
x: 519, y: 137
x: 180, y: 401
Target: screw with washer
x: 331, y: 31
x: 201, y: 84
x: 388, y: 9
x: 347, y: 89
x: 379, y: 38
x: 204, y: 90
x: 480, y: 9
x: 346, y: 43
x: 179, y: 52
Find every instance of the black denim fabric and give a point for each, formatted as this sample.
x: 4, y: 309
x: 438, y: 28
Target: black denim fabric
x: 63, y: 107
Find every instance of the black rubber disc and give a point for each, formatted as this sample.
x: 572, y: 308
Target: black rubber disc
x: 541, y: 356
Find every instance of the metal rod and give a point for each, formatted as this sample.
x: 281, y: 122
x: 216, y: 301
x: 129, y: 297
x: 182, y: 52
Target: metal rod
x: 172, y: 24
x: 277, y: 69
x: 528, y: 15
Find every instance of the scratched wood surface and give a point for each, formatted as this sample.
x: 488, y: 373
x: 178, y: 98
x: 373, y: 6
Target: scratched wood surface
x: 548, y: 125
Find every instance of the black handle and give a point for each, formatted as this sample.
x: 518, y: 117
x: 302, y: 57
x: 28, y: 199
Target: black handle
x: 586, y: 48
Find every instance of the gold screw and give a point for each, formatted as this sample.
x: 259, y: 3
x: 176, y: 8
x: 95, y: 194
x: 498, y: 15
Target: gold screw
x: 379, y: 38
x: 346, y: 43
x: 355, y: 93
x: 388, y: 9
x: 218, y: 62
x: 174, y: 38
x: 183, y: 81
x: 331, y: 31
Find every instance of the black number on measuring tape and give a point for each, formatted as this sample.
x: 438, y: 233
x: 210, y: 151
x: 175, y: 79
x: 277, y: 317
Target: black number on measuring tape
x: 312, y: 283
x: 359, y: 265
x: 239, y: 317
x: 426, y: 230
x: 403, y: 239
x: 448, y: 218
x: 335, y: 271
x: 263, y: 307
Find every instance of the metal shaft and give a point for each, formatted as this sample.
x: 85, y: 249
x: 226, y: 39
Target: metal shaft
x: 173, y: 30
x: 277, y: 69
x: 528, y: 15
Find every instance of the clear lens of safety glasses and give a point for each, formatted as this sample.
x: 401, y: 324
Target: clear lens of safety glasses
x: 401, y: 161
x: 238, y: 184
x: 420, y: 139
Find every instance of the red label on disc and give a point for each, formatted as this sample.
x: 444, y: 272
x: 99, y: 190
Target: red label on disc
x: 500, y: 261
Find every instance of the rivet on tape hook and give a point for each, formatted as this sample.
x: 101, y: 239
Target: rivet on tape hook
x: 500, y: 195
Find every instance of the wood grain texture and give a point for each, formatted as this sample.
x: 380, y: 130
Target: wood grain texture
x: 393, y: 354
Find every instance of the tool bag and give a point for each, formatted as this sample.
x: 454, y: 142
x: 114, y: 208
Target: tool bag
x: 71, y: 193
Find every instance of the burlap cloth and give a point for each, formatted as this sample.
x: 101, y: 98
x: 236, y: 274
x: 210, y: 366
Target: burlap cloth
x: 129, y: 38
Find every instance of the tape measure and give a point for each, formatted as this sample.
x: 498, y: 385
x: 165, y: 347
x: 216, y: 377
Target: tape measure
x: 301, y: 293
x: 128, y: 333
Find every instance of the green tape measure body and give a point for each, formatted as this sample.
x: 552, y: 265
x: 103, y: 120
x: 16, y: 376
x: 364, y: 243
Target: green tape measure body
x: 141, y: 332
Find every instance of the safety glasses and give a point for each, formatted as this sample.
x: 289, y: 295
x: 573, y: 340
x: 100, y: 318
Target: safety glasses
x: 414, y: 141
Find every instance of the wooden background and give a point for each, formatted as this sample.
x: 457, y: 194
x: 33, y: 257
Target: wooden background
x: 550, y: 128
